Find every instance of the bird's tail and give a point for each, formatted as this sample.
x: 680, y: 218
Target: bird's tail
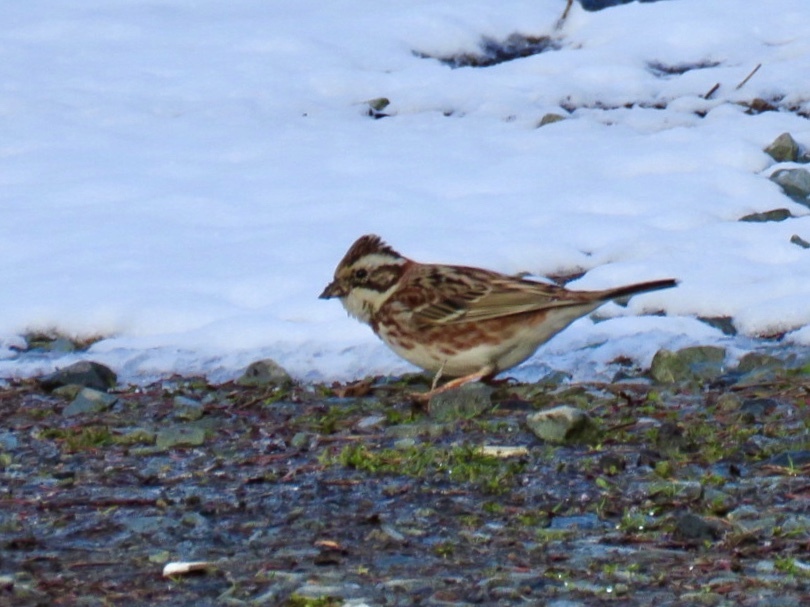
x: 640, y: 287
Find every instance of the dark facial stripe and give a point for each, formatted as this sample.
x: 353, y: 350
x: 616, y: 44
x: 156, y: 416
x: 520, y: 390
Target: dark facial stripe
x: 382, y: 278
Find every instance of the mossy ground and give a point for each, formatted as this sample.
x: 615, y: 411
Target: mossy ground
x: 692, y: 492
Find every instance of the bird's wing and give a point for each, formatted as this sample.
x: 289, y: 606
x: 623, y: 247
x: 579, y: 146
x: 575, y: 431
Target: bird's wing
x: 451, y: 294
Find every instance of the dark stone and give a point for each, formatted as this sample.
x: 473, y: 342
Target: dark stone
x: 755, y: 409
x: 795, y: 183
x: 799, y: 241
x: 84, y: 373
x: 789, y: 459
x: 774, y: 215
x: 690, y: 526
x: 265, y: 372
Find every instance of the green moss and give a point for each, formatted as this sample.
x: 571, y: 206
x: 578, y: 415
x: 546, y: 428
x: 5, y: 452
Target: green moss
x: 458, y: 464
x: 79, y: 438
x: 297, y: 600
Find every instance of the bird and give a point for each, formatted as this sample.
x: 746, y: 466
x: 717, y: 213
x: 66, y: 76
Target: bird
x: 457, y: 321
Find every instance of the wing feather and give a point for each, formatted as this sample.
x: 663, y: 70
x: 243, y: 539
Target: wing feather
x: 454, y: 294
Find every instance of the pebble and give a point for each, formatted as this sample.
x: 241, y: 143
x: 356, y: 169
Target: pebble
x: 562, y: 425
x: 89, y: 400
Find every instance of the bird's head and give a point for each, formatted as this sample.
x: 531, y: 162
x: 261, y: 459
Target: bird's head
x: 366, y: 276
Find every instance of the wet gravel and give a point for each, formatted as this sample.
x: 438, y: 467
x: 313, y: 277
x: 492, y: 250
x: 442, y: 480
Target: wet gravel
x: 692, y: 493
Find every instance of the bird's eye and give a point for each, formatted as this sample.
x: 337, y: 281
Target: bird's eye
x: 361, y: 274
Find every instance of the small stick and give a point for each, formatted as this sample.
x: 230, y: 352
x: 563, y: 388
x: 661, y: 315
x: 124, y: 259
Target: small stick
x: 748, y: 77
x: 564, y: 16
x: 712, y: 91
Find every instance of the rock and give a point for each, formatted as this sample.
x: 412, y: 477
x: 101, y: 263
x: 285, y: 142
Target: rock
x: 783, y: 149
x: 376, y: 107
x: 789, y: 459
x: 774, y: 215
x: 756, y: 361
x: 8, y: 442
x: 799, y: 241
x: 690, y: 526
x: 265, y: 372
x: 563, y: 425
x: 180, y: 436
x: 89, y: 400
x: 723, y: 323
x: 794, y: 183
x: 718, y: 502
x: 550, y: 118
x: 84, y: 373
x: 683, y: 491
x: 461, y: 403
x: 187, y: 409
x: 695, y: 363
x: 754, y: 409
x: 371, y: 422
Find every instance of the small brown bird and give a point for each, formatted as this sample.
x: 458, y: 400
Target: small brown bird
x: 458, y: 321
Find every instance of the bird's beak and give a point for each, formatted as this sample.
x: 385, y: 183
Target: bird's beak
x: 333, y: 289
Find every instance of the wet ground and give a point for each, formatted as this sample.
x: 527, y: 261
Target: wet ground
x: 691, y: 493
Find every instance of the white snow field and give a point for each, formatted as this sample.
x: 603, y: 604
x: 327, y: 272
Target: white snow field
x: 180, y: 178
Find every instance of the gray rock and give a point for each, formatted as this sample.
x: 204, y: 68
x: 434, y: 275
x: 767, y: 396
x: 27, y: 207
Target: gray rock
x: 180, y: 436
x: 563, y: 425
x: 783, y: 149
x: 89, y: 400
x: 550, y: 118
x: 718, y: 502
x: 265, y: 372
x: 695, y: 363
x: 754, y: 409
x: 461, y: 403
x: 690, y: 526
x: 187, y: 409
x: 756, y: 361
x: 8, y: 442
x: 789, y: 459
x: 84, y: 373
x: 723, y: 323
x: 799, y: 241
x: 794, y: 183
x: 774, y: 215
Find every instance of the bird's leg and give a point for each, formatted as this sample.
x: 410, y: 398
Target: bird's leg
x: 437, y: 377
x: 424, y: 397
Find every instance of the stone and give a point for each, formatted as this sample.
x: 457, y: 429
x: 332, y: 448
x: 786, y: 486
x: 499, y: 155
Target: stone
x: 180, y: 436
x: 799, y: 241
x: 84, y: 373
x: 187, y: 409
x: 562, y: 425
x: 756, y: 361
x: 754, y: 409
x: 89, y: 400
x: 690, y: 526
x: 265, y: 372
x: 795, y: 183
x: 694, y: 363
x: 774, y: 215
x: 783, y: 149
x: 789, y: 459
x: 461, y: 403
x: 550, y: 118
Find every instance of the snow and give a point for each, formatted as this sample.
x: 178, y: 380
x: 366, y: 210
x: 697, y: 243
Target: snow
x: 180, y: 178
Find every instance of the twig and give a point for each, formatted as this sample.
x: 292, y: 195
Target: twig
x: 712, y: 91
x: 748, y: 77
x: 564, y: 16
